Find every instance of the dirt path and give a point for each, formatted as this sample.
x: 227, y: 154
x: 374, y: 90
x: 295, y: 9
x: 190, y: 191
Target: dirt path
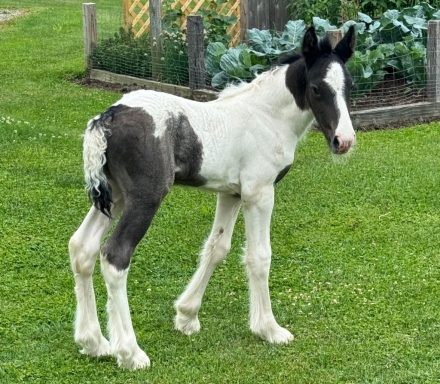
x: 8, y: 14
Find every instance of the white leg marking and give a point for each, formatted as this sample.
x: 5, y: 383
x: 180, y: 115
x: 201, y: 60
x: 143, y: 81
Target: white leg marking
x: 257, y: 214
x: 214, y: 252
x: 83, y: 249
x: 123, y: 342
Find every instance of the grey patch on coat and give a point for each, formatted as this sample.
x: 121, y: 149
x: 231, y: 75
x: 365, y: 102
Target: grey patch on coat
x: 142, y: 166
x: 187, y: 150
x: 145, y: 167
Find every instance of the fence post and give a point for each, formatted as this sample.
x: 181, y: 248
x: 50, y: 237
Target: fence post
x: 433, y: 60
x: 196, y: 63
x: 90, y: 33
x: 244, y: 12
x: 156, y: 37
x: 334, y: 36
x: 127, y: 16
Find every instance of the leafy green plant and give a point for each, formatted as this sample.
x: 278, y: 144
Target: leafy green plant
x: 171, y: 17
x: 308, y: 9
x: 245, y: 61
x: 215, y: 24
x: 349, y: 10
x: 272, y: 43
x: 410, y: 59
x: 394, y: 43
x: 367, y: 68
x: 339, y: 11
x: 234, y: 64
x: 129, y: 55
x: 125, y: 54
x: 376, y: 8
x: 407, y: 58
x: 174, y: 63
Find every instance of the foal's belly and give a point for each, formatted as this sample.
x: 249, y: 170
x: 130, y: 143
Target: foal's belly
x: 225, y: 180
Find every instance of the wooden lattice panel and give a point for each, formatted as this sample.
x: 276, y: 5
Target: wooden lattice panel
x: 137, y: 14
x: 229, y: 8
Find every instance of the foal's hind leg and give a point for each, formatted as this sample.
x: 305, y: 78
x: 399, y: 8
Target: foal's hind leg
x: 214, y: 252
x: 84, y: 248
x: 257, y: 210
x: 115, y: 260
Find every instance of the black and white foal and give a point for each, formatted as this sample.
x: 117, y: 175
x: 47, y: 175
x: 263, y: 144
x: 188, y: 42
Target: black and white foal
x: 238, y: 146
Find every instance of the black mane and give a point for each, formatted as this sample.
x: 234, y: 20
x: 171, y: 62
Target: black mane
x: 324, y: 46
x: 288, y: 58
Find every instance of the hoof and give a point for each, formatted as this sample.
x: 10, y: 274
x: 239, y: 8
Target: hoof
x: 274, y: 334
x: 133, y: 361
x: 93, y: 347
x: 186, y: 324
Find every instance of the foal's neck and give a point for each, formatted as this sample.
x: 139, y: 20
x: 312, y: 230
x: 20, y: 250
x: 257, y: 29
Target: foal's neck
x: 271, y: 93
x: 284, y: 95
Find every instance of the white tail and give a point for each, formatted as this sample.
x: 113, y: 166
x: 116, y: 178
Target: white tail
x: 95, y: 145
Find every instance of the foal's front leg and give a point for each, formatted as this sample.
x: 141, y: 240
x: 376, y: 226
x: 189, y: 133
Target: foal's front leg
x: 213, y: 253
x: 257, y: 208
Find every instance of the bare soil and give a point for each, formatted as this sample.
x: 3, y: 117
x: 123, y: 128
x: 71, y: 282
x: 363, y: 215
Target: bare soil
x: 8, y: 14
x: 113, y: 87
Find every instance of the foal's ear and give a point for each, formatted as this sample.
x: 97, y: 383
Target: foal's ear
x: 346, y: 46
x: 309, y: 47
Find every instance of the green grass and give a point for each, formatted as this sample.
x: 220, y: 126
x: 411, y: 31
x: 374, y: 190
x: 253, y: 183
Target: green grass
x: 355, y: 273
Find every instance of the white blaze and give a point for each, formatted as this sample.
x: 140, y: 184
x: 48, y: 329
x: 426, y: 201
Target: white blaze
x: 336, y: 80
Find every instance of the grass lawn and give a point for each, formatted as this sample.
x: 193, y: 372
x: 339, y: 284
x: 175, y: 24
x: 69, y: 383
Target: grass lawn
x: 355, y: 273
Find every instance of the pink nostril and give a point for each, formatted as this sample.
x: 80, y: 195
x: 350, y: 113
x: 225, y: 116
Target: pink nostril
x: 341, y: 145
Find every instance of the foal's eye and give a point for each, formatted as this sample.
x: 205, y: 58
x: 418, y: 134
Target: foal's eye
x: 315, y: 90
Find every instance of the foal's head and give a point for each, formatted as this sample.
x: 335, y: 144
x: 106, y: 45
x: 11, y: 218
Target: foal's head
x: 319, y: 81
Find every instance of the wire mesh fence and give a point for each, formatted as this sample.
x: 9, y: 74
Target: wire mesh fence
x: 388, y: 69
x: 123, y: 53
x: 389, y: 74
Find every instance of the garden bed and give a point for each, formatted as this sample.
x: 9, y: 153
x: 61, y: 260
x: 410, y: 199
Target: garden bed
x: 382, y: 108
x: 390, y: 92
x: 391, y: 68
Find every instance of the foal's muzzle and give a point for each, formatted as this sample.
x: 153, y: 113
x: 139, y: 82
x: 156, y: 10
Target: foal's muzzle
x: 341, y: 145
